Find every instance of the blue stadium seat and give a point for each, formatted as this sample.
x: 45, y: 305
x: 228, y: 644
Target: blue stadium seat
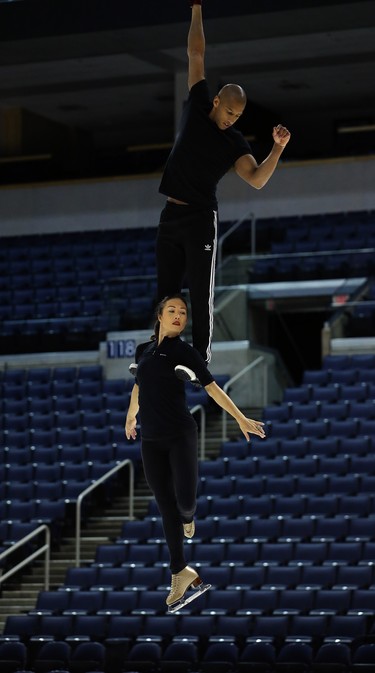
x: 222, y: 601
x: 295, y: 658
x: 270, y: 627
x: 307, y: 411
x: 275, y: 552
x: 330, y: 528
x: 310, y: 552
x: 293, y: 505
x: 179, y: 657
x: 297, y: 529
x: 363, y: 658
x: 332, y: 657
x: 87, y: 656
x: 193, y: 627
x: 251, y: 485
x: 13, y: 656
x: 220, y: 657
x: 230, y: 530
x: 161, y: 627
x: 264, y: 530
x: 150, y: 602
x: 51, y: 602
x: 258, y: 656
x: 342, y: 627
x: 282, y: 577
x: 332, y: 601
x: 144, y: 577
x: 307, y: 627
x: 143, y: 656
x: 246, y: 577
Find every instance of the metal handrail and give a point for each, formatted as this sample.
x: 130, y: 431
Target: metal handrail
x: 235, y: 378
x: 44, y: 549
x: 92, y: 487
x: 228, y: 233
x: 201, y: 409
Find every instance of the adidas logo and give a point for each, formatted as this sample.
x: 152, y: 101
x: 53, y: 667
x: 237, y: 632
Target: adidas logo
x: 208, y: 247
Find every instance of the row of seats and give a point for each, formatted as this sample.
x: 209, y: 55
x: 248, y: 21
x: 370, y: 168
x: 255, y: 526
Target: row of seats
x: 312, y: 266
x: 66, y: 310
x: 229, y: 601
x: 314, y: 410
x: 179, y: 656
x: 41, y: 418
x: 349, y: 427
x: 278, y: 465
x: 71, y: 244
x: 81, y: 436
x: 52, y: 491
x: 114, y: 579
x: 288, y: 484
x: 167, y: 627
x: 345, y: 361
x: 248, y: 552
x: 329, y: 243
x: 347, y: 377
x: 360, y: 392
x: 268, y: 505
x: 19, y: 375
x: 282, y: 475
x: 301, y: 447
x: 78, y: 264
x: 308, y: 527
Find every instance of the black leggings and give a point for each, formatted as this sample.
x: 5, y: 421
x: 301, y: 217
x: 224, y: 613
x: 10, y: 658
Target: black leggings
x: 186, y: 245
x: 171, y: 470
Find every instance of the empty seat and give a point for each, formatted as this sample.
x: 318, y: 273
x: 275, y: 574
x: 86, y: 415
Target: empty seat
x: 318, y: 576
x: 342, y: 627
x: 362, y: 601
x: 13, y: 656
x: 331, y: 528
x: 246, y: 577
x: 295, y: 658
x: 87, y: 656
x: 332, y: 658
x: 219, y: 657
x: 297, y: 528
x: 52, y: 655
x: 179, y: 657
x: 294, y: 601
x: 363, y: 658
x: 282, y: 577
x: 258, y: 656
x: 332, y: 601
x: 143, y: 656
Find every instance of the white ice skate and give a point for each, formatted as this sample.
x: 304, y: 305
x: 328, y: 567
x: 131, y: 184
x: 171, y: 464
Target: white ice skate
x: 181, y: 582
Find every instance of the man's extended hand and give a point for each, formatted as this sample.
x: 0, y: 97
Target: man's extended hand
x: 281, y: 135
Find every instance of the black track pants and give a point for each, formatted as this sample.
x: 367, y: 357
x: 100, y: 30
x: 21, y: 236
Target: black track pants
x: 186, y: 246
x: 171, y: 470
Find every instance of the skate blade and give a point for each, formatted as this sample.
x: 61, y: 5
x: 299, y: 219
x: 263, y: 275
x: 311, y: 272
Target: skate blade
x: 184, y: 601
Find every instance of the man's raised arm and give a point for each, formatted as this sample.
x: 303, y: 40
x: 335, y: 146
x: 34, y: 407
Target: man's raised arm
x: 196, y: 45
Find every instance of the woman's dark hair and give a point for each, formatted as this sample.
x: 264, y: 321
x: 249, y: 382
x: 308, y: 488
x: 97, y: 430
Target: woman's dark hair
x: 159, y: 309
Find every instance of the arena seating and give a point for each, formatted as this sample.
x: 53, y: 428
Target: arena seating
x: 285, y: 536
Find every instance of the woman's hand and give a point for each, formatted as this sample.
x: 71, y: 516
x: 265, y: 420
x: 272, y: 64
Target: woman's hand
x: 254, y: 427
x: 130, y: 428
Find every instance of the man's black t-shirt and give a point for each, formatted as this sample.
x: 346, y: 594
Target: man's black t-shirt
x: 162, y: 400
x: 202, y: 153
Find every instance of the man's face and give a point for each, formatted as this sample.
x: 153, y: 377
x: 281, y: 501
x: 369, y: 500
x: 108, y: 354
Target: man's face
x: 225, y: 112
